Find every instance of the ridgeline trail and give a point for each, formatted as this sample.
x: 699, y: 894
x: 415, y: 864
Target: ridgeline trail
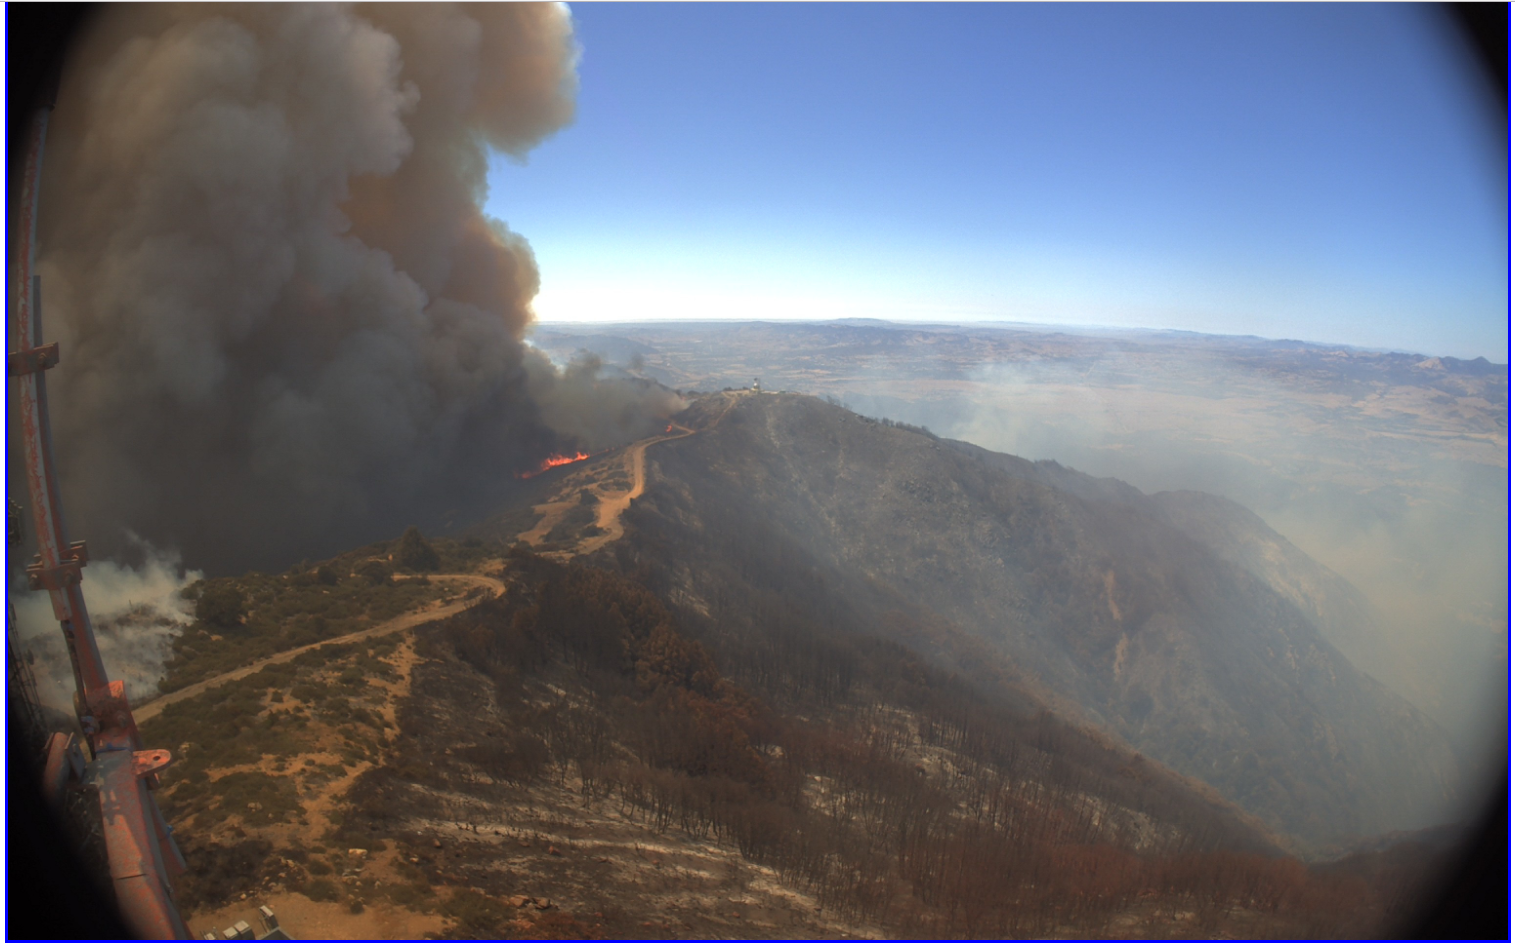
x: 608, y: 519
x: 150, y: 709
x: 610, y: 506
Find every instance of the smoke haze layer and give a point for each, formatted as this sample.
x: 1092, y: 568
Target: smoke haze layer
x: 286, y: 325
x: 1407, y: 501
x: 1387, y: 468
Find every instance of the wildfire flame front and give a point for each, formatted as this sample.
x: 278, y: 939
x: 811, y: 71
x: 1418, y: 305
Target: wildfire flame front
x: 554, y: 461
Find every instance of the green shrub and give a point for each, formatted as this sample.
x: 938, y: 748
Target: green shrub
x: 375, y: 572
x: 415, y: 553
x: 217, y: 873
x: 310, y: 659
x: 307, y: 692
x: 221, y: 607
x: 322, y: 890
x: 276, y: 796
x: 384, y: 645
x: 335, y: 650
x: 265, y: 678
x: 479, y: 917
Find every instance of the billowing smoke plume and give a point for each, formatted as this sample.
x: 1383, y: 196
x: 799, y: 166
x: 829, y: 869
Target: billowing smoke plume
x: 286, y: 324
x: 575, y: 400
x: 136, y: 611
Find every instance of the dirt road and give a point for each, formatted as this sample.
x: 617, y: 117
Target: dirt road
x: 611, y: 507
x: 612, y: 504
x: 150, y: 709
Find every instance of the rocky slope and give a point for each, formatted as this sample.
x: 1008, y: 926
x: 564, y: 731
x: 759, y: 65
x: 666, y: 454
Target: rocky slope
x: 599, y: 753
x: 1085, y: 588
x: 1342, y: 614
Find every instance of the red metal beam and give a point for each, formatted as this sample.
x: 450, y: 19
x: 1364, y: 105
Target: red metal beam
x: 138, y: 841
x: 133, y: 831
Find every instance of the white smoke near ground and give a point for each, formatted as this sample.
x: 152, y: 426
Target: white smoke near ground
x: 137, y: 611
x: 287, y: 326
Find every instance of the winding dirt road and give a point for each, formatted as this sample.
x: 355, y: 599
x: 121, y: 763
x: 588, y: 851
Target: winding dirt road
x: 609, y: 506
x: 608, y: 515
x: 150, y: 709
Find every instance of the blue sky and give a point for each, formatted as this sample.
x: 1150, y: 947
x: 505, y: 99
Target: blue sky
x: 1316, y: 172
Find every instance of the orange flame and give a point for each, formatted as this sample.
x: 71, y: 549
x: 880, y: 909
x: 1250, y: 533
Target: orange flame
x: 669, y: 428
x: 554, y: 461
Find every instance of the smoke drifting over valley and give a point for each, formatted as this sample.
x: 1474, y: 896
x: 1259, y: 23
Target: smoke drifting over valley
x: 1393, y: 478
x: 1387, y: 468
x: 286, y: 325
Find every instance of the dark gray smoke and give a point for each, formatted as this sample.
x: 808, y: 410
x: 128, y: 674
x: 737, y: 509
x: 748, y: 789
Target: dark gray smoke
x: 287, y: 326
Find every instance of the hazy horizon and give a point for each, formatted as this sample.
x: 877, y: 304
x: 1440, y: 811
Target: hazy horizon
x: 1070, y: 328
x: 1317, y: 171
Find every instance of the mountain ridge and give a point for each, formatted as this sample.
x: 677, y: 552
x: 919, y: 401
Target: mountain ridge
x: 1081, y: 606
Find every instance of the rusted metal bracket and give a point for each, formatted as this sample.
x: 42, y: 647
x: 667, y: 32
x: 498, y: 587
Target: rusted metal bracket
x: 65, y: 764
x: 75, y: 556
x: 107, y: 719
x: 150, y: 762
x: 26, y: 361
x: 134, y: 833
